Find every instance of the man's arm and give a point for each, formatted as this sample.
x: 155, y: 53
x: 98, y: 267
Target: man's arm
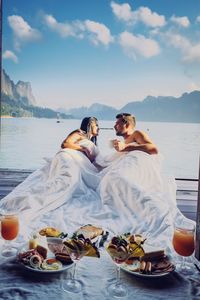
x: 140, y: 141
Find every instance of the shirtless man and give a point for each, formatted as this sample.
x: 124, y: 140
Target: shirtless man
x: 133, y: 139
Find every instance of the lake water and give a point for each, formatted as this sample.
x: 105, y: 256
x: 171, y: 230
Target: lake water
x: 26, y: 141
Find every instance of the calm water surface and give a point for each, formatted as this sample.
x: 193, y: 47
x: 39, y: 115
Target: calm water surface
x: 25, y: 142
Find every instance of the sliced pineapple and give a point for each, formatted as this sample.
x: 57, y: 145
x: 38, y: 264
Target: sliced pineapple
x: 136, y: 250
x: 92, y: 251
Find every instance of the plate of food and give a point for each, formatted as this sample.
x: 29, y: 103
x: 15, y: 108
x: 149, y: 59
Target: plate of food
x: 135, y: 256
x: 150, y: 269
x: 46, y: 255
x: 153, y: 263
x: 46, y: 252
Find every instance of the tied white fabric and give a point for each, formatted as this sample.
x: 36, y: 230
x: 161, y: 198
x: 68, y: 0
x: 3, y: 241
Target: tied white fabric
x: 129, y: 194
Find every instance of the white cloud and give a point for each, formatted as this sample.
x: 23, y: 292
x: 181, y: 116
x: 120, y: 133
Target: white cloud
x: 177, y: 40
x: 155, y: 31
x: 22, y: 31
x: 10, y: 55
x: 122, y: 12
x: 181, y: 21
x: 100, y: 33
x: 63, y: 29
x: 150, y: 18
x: 142, y: 14
x: 198, y: 19
x: 138, y: 45
x: 190, y: 52
x: 193, y: 86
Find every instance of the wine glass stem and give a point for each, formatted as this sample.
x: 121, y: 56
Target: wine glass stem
x: 183, y: 262
x: 118, y: 276
x: 7, y: 245
x: 74, y: 271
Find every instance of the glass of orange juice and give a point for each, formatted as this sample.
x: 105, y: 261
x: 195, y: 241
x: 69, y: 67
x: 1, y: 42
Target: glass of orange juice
x: 9, y: 231
x: 184, y: 244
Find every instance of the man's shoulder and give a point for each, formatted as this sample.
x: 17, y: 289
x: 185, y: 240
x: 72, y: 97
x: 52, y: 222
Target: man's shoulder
x: 137, y: 133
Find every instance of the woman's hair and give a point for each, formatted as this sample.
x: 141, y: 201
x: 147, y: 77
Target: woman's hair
x: 86, y: 126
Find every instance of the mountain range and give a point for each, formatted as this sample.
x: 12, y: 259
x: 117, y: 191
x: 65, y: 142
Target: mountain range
x: 185, y: 108
x: 18, y: 100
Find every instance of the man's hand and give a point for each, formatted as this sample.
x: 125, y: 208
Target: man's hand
x: 118, y: 145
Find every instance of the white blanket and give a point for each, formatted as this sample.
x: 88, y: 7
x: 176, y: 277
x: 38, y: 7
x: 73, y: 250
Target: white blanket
x: 140, y: 197
x: 130, y: 194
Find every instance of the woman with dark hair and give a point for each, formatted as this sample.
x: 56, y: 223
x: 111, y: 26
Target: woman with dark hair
x: 91, y: 127
x: 71, y: 177
x: 78, y: 139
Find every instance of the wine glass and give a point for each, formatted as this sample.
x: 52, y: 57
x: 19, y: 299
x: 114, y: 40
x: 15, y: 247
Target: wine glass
x: 119, y: 254
x: 184, y: 244
x: 9, y: 231
x: 73, y: 285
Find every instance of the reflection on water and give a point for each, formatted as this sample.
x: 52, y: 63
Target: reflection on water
x: 26, y: 141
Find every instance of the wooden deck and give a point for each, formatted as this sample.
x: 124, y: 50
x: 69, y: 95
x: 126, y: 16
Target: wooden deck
x: 187, y: 189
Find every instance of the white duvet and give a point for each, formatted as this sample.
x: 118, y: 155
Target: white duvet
x: 129, y: 194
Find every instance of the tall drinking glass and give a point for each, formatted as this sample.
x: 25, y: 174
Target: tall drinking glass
x: 118, y: 255
x: 73, y: 285
x: 9, y: 231
x: 184, y: 244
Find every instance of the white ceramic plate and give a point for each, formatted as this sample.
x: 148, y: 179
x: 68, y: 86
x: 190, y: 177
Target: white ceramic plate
x: 49, y: 255
x: 127, y: 268
x: 64, y: 267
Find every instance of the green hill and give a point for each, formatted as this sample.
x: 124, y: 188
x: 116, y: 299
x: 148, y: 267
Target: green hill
x: 17, y: 100
x: 9, y: 107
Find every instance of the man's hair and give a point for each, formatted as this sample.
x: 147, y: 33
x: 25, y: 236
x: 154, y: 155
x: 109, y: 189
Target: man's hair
x: 127, y: 118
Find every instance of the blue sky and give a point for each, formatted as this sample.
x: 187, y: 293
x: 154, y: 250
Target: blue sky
x: 78, y: 52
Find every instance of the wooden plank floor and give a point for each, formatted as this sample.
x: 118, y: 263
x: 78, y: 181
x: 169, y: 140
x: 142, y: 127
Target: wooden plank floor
x: 187, y: 190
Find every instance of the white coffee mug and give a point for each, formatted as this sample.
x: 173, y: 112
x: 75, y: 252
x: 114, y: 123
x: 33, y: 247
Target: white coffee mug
x: 111, y: 143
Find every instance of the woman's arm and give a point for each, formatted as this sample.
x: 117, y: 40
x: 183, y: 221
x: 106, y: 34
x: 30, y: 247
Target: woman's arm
x: 71, y: 142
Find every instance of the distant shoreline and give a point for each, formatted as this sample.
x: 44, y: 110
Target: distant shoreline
x: 63, y: 119
x: 6, y: 117
x: 10, y: 117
